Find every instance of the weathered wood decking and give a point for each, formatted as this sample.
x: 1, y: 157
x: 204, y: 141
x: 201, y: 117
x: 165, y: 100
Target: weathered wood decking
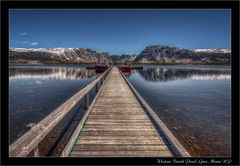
x: 117, y: 126
x: 118, y: 123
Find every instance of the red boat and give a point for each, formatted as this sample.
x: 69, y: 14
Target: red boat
x: 102, y: 65
x: 125, y: 68
x: 101, y: 68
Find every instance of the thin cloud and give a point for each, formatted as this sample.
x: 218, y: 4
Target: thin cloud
x: 34, y: 43
x: 25, y: 42
x: 23, y: 33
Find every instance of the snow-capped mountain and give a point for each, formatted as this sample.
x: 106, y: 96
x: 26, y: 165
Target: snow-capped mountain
x: 161, y: 53
x: 155, y: 54
x: 214, y: 50
x: 123, y: 58
x: 73, y: 55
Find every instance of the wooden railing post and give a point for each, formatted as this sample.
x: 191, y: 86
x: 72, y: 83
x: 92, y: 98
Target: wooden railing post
x: 102, y: 80
x: 86, y: 101
x: 36, y: 151
x: 97, y: 87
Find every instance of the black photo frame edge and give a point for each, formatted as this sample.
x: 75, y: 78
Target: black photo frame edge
x: 5, y: 5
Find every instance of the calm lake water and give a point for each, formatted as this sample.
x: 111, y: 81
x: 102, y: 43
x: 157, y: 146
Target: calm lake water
x: 194, y: 102
x: 35, y: 91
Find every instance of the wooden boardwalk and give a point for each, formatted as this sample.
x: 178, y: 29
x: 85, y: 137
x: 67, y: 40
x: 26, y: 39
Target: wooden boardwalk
x: 117, y: 126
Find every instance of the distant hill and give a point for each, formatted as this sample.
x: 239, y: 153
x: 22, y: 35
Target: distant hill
x: 160, y: 53
x: 151, y: 54
x: 57, y: 55
x: 214, y: 50
x: 123, y: 58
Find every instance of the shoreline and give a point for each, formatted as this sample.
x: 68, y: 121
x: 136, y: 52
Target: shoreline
x: 134, y: 64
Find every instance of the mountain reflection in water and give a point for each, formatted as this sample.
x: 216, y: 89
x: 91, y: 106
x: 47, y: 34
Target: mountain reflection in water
x: 193, y: 102
x: 50, y: 73
x: 196, y: 109
x: 168, y: 74
x: 35, y: 91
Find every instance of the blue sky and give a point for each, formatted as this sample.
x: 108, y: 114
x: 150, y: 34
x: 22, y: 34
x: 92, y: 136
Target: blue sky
x: 120, y: 31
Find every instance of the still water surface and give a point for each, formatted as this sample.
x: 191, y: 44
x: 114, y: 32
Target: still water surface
x: 35, y: 91
x: 194, y: 102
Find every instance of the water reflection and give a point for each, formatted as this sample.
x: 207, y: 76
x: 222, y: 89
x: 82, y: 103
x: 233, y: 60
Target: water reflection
x: 35, y: 91
x: 60, y: 73
x: 196, y: 112
x: 167, y: 74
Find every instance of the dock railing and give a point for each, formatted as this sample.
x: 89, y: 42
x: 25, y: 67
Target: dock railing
x: 176, y: 146
x: 73, y: 138
x: 29, y: 142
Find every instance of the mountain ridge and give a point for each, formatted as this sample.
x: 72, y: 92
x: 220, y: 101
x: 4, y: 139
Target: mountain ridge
x: 61, y: 55
x: 150, y: 54
x: 168, y: 54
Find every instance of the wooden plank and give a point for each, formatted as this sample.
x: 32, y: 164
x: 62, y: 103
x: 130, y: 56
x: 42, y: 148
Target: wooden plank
x: 118, y: 113
x: 106, y: 105
x: 120, y: 147
x: 119, y: 128
x: 101, y: 108
x: 119, y: 121
x: 133, y: 153
x: 124, y: 137
x: 132, y: 102
x: 133, y: 123
x: 130, y: 130
x: 119, y: 133
x: 102, y: 123
x: 120, y: 141
x: 136, y: 112
x: 140, y: 117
